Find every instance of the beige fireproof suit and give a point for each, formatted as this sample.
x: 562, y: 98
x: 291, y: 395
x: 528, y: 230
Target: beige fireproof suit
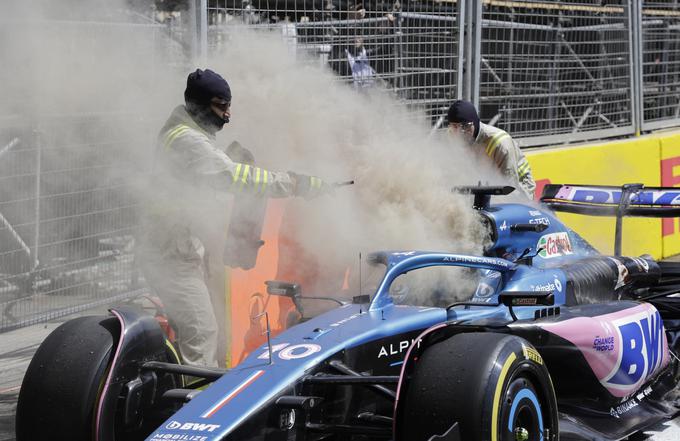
x: 507, y: 156
x: 188, y: 172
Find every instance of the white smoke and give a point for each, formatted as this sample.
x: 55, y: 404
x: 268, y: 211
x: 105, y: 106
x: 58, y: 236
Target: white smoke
x: 295, y: 116
x: 291, y: 113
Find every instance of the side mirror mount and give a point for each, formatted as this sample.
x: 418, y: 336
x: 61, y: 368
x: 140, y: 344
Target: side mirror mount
x: 286, y: 289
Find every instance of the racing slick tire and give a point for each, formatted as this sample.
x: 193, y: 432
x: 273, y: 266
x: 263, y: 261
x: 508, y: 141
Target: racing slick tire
x: 60, y: 388
x: 495, y: 386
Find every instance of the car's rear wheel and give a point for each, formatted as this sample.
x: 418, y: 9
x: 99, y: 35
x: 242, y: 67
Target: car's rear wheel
x: 495, y: 386
x: 60, y: 388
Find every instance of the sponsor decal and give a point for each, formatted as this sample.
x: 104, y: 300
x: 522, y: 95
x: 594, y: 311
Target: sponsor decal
x: 343, y: 321
x: 641, y: 345
x: 177, y: 437
x: 623, y: 408
x: 287, y: 419
x: 606, y: 196
x: 286, y: 351
x: 603, y: 344
x: 484, y: 290
x: 623, y: 276
x: 554, y: 245
x: 540, y: 220
x: 535, y: 213
x: 556, y: 285
x: 641, y: 264
x: 636, y: 353
x: 396, y: 349
x: 504, y: 226
x: 532, y: 354
x: 404, y: 253
x: 474, y: 259
x: 199, y: 427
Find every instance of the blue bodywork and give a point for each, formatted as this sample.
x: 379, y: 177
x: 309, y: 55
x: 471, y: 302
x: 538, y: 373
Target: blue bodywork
x: 531, y: 251
x: 221, y: 408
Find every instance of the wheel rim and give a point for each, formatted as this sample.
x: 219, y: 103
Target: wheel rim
x: 523, y: 419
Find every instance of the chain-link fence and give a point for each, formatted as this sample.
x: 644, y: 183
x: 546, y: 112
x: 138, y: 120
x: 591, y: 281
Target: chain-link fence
x: 660, y: 63
x: 68, y: 216
x: 409, y: 48
x: 545, y: 71
x: 555, y: 68
x: 69, y: 160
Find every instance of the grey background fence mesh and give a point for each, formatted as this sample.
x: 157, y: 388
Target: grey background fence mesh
x: 661, y: 63
x: 409, y: 48
x: 68, y: 211
x: 546, y: 71
x: 550, y: 68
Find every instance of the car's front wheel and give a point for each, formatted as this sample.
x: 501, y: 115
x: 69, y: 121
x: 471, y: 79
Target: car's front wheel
x: 495, y: 386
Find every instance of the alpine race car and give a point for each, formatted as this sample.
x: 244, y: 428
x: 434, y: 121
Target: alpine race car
x: 541, y: 338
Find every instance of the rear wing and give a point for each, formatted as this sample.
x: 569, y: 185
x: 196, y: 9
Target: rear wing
x: 600, y: 200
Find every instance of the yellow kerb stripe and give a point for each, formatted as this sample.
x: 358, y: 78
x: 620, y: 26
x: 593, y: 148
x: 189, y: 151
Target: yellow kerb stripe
x: 497, y: 395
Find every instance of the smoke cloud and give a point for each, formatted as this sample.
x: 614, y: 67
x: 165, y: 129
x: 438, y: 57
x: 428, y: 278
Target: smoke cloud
x: 294, y: 115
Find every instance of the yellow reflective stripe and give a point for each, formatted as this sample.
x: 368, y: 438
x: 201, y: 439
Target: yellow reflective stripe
x: 174, y: 134
x: 523, y: 169
x: 315, y: 182
x: 244, y: 176
x: 238, y: 172
x: 257, y: 179
x: 265, y: 174
x: 169, y: 134
x: 497, y: 395
x: 495, y: 141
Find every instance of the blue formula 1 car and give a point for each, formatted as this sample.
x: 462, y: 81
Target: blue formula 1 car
x: 542, y: 338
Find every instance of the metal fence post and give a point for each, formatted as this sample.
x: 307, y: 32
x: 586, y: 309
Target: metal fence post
x: 461, y: 49
x: 476, y: 70
x: 198, y: 11
x: 636, y: 61
x: 38, y: 172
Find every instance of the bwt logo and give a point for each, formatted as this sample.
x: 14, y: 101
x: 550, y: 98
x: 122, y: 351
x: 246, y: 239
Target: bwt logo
x: 173, y: 425
x: 641, y: 346
x: 666, y: 197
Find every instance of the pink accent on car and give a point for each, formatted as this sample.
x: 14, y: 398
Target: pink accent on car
x: 105, y: 389
x: 608, y: 354
x: 403, y: 368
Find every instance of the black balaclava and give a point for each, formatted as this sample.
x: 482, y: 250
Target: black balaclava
x: 462, y: 111
x: 202, y: 86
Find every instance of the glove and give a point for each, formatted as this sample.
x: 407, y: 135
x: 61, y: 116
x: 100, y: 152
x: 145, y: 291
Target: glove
x: 309, y: 187
x: 238, y: 153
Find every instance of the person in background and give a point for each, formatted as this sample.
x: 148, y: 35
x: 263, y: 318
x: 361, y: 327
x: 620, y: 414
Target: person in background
x: 188, y: 171
x: 363, y: 75
x: 496, y: 143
